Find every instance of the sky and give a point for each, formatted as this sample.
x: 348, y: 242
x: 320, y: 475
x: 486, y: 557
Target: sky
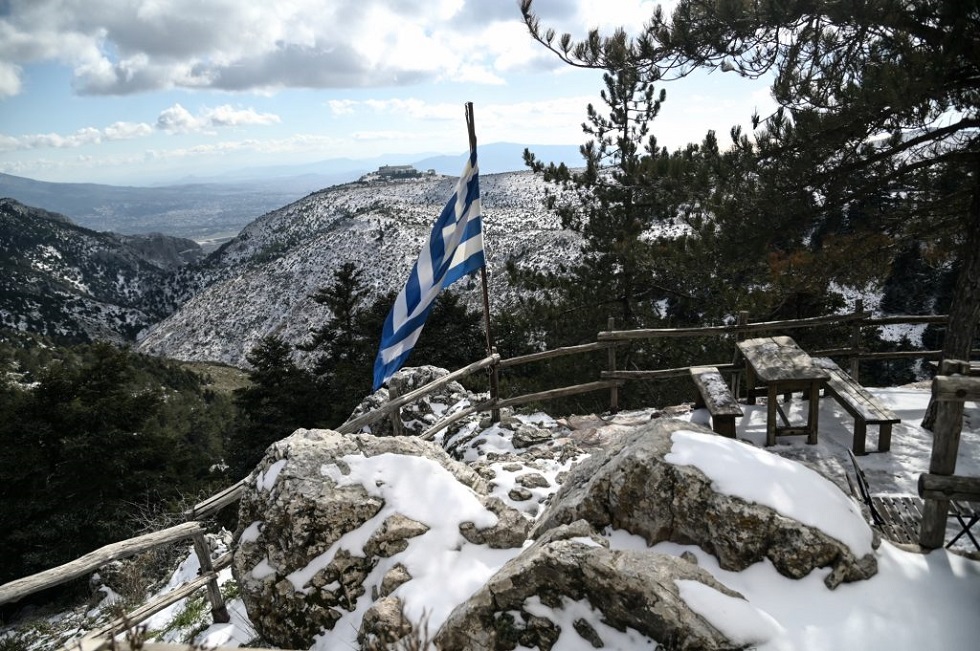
x: 915, y: 601
x: 130, y: 91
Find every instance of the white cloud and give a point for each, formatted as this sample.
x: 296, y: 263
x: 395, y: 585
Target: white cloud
x: 386, y: 136
x: 82, y: 137
x: 177, y: 119
x: 120, y: 48
x: 553, y: 121
x: 341, y: 106
x: 9, y: 80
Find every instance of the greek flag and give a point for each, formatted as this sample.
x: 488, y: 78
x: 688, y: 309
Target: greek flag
x: 455, y: 248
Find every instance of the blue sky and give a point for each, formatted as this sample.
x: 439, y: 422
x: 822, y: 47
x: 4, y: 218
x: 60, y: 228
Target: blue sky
x: 144, y: 91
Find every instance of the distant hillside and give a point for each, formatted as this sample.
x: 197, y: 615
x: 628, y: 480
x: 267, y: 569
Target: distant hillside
x: 502, y: 157
x: 214, y: 209
x: 261, y: 282
x: 62, y: 280
x: 201, y: 212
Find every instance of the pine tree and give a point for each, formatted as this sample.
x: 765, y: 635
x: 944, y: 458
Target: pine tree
x: 280, y: 398
x: 615, y: 200
x: 877, y: 98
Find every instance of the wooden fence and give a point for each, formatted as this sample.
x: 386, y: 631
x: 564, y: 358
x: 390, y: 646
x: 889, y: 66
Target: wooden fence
x: 610, y: 380
x: 951, y: 389
x: 207, y: 579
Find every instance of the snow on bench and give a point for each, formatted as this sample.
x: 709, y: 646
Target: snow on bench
x: 717, y: 398
x: 861, y: 405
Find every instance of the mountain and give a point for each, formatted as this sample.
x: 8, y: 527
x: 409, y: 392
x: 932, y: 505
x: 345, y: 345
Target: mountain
x: 261, y: 282
x: 198, y: 211
x: 60, y: 279
x: 502, y: 157
x: 211, y: 210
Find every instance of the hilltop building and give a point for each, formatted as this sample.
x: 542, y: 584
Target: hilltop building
x: 398, y: 172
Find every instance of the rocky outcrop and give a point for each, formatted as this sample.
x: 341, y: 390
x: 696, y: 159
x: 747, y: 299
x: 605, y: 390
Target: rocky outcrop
x: 631, y: 485
x: 636, y: 591
x: 326, y: 524
x: 361, y: 540
x: 420, y: 415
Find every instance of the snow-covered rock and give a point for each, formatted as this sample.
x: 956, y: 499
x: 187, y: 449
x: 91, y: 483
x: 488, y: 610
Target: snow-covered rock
x: 677, y: 482
x: 331, y: 523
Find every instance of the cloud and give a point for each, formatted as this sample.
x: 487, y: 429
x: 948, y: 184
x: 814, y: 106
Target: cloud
x: 177, y: 119
x: 82, y: 137
x: 118, y: 48
x: 520, y: 121
x: 9, y: 80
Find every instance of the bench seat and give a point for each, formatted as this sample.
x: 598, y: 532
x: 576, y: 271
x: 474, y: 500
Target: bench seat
x: 860, y: 404
x: 715, y: 395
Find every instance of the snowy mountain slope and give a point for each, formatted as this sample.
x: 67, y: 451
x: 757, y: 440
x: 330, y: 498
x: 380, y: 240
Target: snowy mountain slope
x: 260, y: 283
x: 59, y: 279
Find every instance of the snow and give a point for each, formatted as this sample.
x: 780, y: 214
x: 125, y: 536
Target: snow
x: 788, y: 488
x: 446, y: 569
x: 267, y: 479
x: 737, y: 619
x: 916, y: 601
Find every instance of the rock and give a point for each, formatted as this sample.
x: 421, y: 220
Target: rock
x: 393, y: 535
x: 533, y: 480
x: 420, y: 415
x: 384, y: 623
x: 569, y: 564
x: 510, y: 531
x: 519, y: 494
x: 631, y: 486
x: 527, y: 435
x: 393, y: 578
x: 315, y: 541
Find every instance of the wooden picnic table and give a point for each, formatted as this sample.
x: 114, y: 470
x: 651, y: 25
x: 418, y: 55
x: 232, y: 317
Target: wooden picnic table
x: 781, y: 366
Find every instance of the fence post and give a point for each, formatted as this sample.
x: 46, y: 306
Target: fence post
x: 856, y: 341
x: 219, y: 612
x: 494, y: 388
x: 945, y: 444
x: 743, y: 320
x: 613, y: 391
x: 395, y: 416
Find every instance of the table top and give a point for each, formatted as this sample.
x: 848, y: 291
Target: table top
x: 779, y: 359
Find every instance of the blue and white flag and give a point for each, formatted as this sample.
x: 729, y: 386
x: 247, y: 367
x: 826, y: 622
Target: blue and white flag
x: 455, y: 248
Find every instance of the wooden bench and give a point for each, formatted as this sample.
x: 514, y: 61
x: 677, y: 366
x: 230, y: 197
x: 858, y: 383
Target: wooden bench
x: 717, y: 398
x: 861, y: 405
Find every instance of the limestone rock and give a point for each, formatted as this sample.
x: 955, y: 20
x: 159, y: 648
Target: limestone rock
x: 419, y: 415
x: 533, y: 480
x: 393, y: 578
x: 311, y: 536
x: 631, y: 486
x: 384, y: 622
x: 636, y: 590
x: 527, y: 435
x: 510, y: 531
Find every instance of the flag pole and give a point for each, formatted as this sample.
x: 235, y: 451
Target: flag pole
x: 494, y: 393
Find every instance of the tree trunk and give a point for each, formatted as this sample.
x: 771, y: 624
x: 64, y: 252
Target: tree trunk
x: 964, y: 311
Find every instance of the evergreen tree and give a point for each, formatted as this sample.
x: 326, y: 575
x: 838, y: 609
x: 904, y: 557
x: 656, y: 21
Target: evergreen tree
x: 88, y: 445
x: 615, y: 200
x: 344, y: 345
x: 281, y: 398
x: 878, y: 98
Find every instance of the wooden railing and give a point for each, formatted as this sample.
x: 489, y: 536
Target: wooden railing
x: 951, y: 389
x: 208, y: 578
x: 610, y: 379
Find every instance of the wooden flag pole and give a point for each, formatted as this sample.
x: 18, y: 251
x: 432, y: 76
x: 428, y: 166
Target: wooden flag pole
x: 491, y: 349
